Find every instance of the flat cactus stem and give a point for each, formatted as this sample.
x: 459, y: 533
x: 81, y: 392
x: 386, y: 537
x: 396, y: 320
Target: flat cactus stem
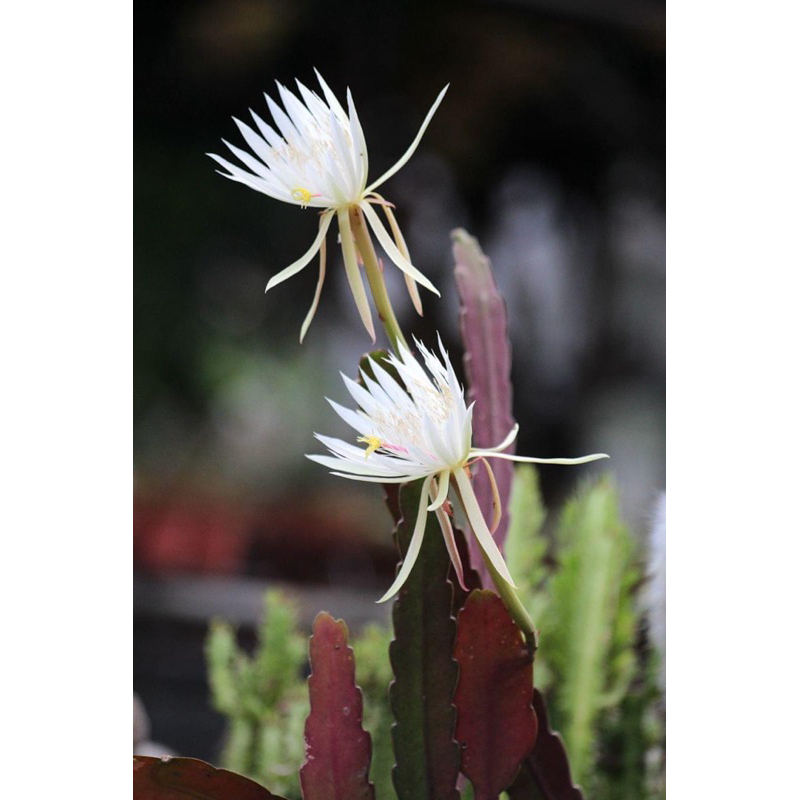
x: 547, y: 767
x: 496, y: 723
x: 182, y: 778
x: 338, y: 749
x: 487, y: 361
x: 421, y: 695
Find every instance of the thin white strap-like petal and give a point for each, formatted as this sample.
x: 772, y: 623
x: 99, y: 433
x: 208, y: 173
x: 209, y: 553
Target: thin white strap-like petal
x: 248, y: 179
x: 359, y: 142
x: 497, y: 505
x: 512, y: 434
x: 333, y: 102
x: 317, y: 293
x: 353, y: 273
x: 450, y: 544
x: 478, y: 525
x: 293, y: 269
x: 530, y: 460
x: 403, y: 479
x: 414, y: 545
x: 410, y: 152
x: 411, y: 284
x: 391, y: 249
x: 355, y: 420
x: 441, y: 493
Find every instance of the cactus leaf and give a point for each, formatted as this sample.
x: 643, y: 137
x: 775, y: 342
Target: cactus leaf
x: 496, y: 724
x: 338, y: 749
x: 182, y: 778
x: 421, y: 696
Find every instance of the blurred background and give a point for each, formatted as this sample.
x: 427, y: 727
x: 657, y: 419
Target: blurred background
x: 549, y: 147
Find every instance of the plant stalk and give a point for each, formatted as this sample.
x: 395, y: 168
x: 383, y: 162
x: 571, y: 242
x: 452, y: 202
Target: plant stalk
x: 377, y: 284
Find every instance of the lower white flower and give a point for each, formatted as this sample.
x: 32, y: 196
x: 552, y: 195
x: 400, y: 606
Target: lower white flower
x: 421, y: 428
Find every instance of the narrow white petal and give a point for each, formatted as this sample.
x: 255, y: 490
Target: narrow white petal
x: 285, y: 125
x: 414, y: 546
x: 391, y: 249
x: 317, y: 293
x: 497, y: 505
x: 344, y: 151
x: 528, y: 460
x: 240, y: 176
x: 441, y: 493
x: 479, y: 527
x: 391, y: 387
x: 256, y: 142
x: 403, y: 479
x: 312, y: 100
x: 357, y: 421
x: 353, y: 273
x: 329, y: 95
x: 410, y: 152
x: 293, y: 269
x: 298, y: 113
x: 452, y: 548
x: 512, y: 434
x: 359, y: 142
x: 253, y: 163
x: 267, y: 131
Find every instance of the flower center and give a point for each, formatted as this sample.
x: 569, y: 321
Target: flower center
x: 303, y: 196
x: 372, y: 442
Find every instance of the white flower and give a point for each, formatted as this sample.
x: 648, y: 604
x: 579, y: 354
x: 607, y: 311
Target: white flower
x: 422, y: 429
x: 318, y: 159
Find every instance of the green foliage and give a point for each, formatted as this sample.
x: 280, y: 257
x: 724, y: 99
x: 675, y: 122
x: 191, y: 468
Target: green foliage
x: 373, y: 675
x: 265, y: 698
x: 578, y: 578
x: 580, y: 587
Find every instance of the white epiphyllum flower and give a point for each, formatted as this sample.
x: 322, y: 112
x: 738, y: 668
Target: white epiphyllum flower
x: 422, y: 428
x: 318, y: 159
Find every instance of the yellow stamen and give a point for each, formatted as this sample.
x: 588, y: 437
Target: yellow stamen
x: 303, y: 196
x: 373, y: 443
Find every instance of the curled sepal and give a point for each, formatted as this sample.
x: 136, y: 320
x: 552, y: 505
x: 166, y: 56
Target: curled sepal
x: 338, y: 749
x: 496, y: 724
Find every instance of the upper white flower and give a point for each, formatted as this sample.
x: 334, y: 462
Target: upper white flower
x: 421, y: 428
x: 318, y: 158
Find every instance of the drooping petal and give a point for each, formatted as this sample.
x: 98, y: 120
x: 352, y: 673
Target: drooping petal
x: 414, y: 545
x: 293, y: 269
x: 530, y: 460
x: 353, y: 272
x: 497, y: 506
x: 450, y: 544
x: 410, y: 152
x: 317, y: 293
x: 400, y: 241
x: 391, y: 249
x: 512, y: 434
x: 478, y: 524
x: 441, y: 492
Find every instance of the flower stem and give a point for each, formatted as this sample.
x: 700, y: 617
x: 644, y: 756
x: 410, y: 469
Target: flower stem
x: 506, y: 591
x: 514, y: 605
x: 375, y: 277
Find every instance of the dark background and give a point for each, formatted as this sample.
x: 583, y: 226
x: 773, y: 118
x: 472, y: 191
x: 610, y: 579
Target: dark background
x: 549, y: 147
